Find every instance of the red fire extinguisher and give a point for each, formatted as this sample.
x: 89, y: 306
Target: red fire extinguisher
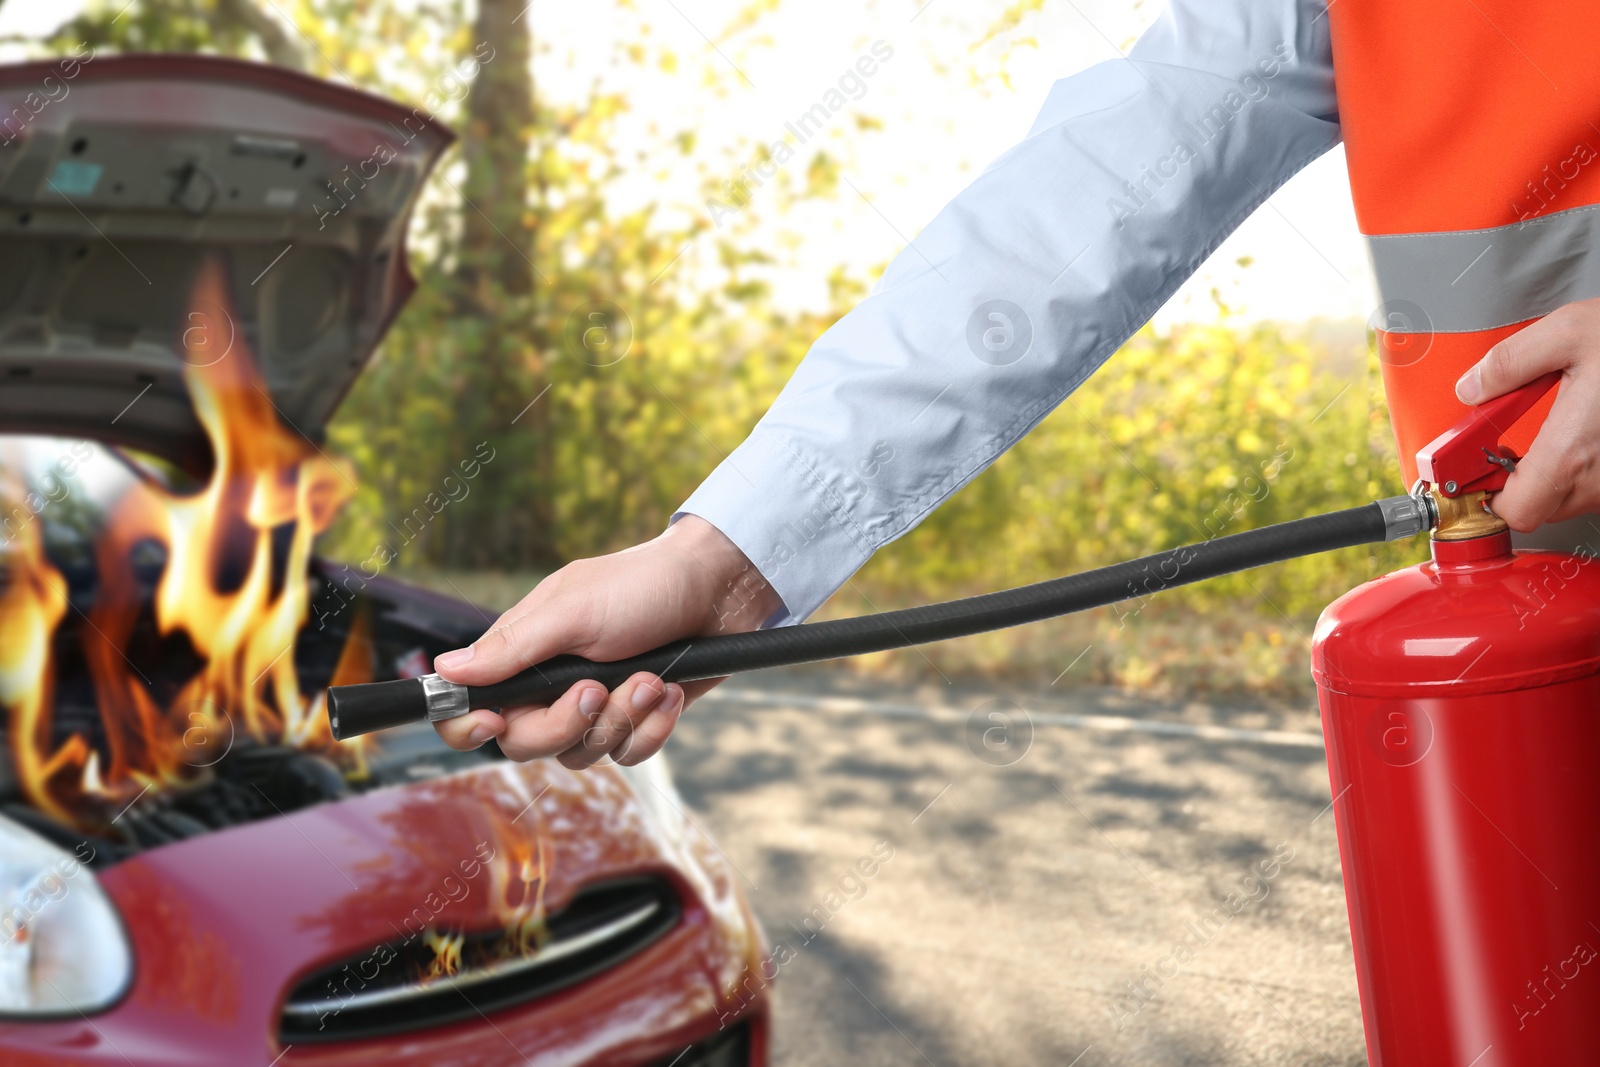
x: 1460, y: 701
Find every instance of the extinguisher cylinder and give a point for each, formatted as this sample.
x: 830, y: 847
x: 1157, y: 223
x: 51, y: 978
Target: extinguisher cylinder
x: 1460, y: 701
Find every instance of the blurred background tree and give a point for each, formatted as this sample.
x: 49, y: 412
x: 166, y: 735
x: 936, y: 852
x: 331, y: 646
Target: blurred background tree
x: 554, y: 329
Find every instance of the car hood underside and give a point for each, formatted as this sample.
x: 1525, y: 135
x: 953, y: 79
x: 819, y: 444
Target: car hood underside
x: 121, y: 176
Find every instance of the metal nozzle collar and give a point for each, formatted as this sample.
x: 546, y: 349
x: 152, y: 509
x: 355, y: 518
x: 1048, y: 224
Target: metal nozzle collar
x: 445, y: 699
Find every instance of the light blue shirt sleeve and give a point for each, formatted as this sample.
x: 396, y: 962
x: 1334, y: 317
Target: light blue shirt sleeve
x: 1133, y: 173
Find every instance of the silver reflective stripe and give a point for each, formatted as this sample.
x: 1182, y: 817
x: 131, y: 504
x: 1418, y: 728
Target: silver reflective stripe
x: 1468, y: 280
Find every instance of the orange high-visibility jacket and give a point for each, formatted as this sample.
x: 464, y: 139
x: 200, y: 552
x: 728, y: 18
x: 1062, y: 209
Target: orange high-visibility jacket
x: 1472, y: 130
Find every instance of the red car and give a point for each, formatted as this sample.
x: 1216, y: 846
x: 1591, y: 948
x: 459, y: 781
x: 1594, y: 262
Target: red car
x: 197, y: 256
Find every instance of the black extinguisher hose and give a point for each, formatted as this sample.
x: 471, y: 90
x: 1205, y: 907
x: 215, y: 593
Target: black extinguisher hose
x: 359, y: 709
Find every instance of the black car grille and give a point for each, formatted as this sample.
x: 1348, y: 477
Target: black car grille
x: 602, y: 926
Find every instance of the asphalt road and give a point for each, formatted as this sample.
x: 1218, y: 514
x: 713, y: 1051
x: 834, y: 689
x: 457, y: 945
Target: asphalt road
x: 1030, y: 880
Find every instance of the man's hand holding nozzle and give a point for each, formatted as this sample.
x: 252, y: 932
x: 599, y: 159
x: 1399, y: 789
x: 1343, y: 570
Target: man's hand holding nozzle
x: 688, y: 582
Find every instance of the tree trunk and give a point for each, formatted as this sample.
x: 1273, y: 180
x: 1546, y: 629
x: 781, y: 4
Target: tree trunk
x: 281, y: 48
x: 496, y: 233
x: 511, y: 524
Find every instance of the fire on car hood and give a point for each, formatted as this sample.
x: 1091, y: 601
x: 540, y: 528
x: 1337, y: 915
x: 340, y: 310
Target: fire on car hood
x: 120, y: 176
x: 197, y: 256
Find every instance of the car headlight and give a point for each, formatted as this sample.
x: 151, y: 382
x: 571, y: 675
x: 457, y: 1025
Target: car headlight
x: 62, y: 946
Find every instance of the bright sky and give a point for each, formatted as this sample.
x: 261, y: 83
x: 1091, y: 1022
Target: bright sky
x: 946, y: 109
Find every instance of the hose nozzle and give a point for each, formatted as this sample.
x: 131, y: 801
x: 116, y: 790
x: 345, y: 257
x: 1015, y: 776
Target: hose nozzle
x: 354, y: 710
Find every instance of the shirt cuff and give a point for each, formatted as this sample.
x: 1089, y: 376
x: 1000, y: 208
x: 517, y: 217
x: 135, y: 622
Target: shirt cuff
x: 771, y: 502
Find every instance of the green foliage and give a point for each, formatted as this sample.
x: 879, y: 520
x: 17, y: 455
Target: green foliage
x: 628, y: 441
x: 1178, y: 438
x: 624, y: 386
x: 155, y: 26
x: 1207, y: 431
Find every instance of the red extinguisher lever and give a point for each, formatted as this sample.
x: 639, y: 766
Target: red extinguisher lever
x: 1469, y: 457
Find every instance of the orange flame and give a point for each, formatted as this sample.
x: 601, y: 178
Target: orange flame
x: 230, y: 586
x: 516, y: 894
x: 33, y: 598
x: 518, y: 872
x: 446, y: 953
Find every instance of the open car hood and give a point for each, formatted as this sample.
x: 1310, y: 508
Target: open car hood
x: 120, y: 175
